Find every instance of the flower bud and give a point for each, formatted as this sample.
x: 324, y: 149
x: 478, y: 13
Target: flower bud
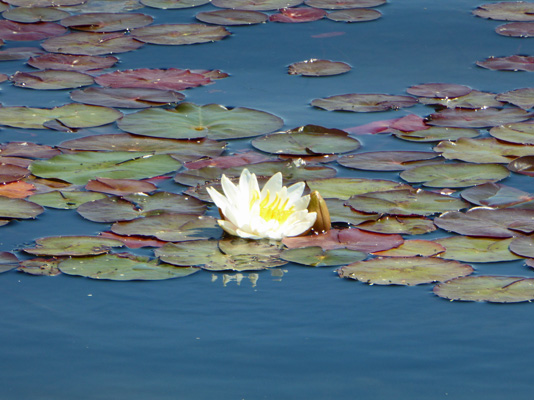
x: 318, y: 205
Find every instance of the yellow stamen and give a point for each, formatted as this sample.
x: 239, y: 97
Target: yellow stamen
x: 276, y: 210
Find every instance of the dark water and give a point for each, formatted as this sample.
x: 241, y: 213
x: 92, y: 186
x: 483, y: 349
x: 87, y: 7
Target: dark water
x: 296, y: 333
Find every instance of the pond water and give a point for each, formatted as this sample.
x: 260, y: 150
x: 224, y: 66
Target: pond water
x: 293, y: 332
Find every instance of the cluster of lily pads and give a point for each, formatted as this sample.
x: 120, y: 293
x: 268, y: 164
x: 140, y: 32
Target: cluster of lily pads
x: 113, y: 179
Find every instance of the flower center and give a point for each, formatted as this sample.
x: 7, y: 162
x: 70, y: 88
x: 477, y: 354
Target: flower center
x: 276, y: 209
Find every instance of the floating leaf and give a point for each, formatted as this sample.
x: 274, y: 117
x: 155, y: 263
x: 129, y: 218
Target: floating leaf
x: 506, y: 11
x: 123, y: 267
x: 317, y: 257
x: 232, y: 17
x: 439, y: 90
x: 436, y: 133
x: 404, y: 270
x: 106, y: 22
x: 71, y: 62
x: 523, y: 98
x: 129, y: 207
x: 476, y: 249
x: 236, y: 160
x: 385, y: 160
x: 91, y: 44
x: 11, y: 30
x: 315, y: 67
x: 166, y: 4
x: 18, y: 208
x: 183, y: 150
x: 120, y: 187
x: 491, y: 288
x: 339, y: 212
x: 484, y: 150
x: 44, y: 3
x: 344, y: 4
x: 400, y: 225
x: 79, y: 168
x: 354, y: 15
x: 344, y: 188
x: 475, y: 99
x: 8, y: 261
x: 258, y: 5
x: 67, y: 200
x: 462, y: 118
x: 40, y: 266
x: 413, y: 248
x: 72, y: 246
x: 34, y: 14
x: 16, y: 190
x: 523, y: 165
x: 12, y: 173
x: 133, y: 241
x: 51, y: 79
x: 301, y: 14
x: 521, y: 132
x: 125, y: 97
x: 94, y: 6
x: 455, y: 175
x: 27, y: 149
x: 516, y: 29
x: 19, y: 53
x: 235, y: 254
x: 178, y: 34
x: 510, y: 63
x: 307, y: 140
x: 364, y: 102
x: 496, y: 195
x: 188, y: 121
x: 523, y: 246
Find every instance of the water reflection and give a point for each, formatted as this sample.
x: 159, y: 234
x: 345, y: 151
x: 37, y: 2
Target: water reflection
x: 276, y: 275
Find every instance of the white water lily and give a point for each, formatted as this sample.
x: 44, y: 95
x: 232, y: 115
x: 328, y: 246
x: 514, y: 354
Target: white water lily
x: 274, y: 212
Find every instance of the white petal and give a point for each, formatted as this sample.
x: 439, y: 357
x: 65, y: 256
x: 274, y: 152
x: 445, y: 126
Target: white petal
x: 273, y: 185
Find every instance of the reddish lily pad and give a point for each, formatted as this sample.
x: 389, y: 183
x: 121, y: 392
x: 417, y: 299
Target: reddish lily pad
x: 119, y: 187
x: 11, y: 30
x: 437, y: 133
x: 344, y: 188
x: 40, y: 266
x: 34, y: 14
x: 27, y: 149
x: 19, y: 53
x: 183, y: 150
x: 132, y: 206
x: 354, y: 15
x: 490, y: 288
x: 516, y: 29
x: 232, y: 17
x: 510, y: 63
x: 344, y: 4
x: 476, y: 249
x: 487, y: 222
x: 364, y: 102
x: 44, y: 3
x: 236, y: 160
x: 166, y: 79
x: 70, y: 115
x: 67, y: 200
x: 413, y: 248
x: 258, y: 5
x: 506, y: 11
x: 439, y: 90
x: 166, y: 4
x: 71, y: 62
x: 51, y: 79
x: 315, y: 67
x: 188, y: 121
x: 400, y: 225
x: 12, y: 173
x: 521, y: 132
x: 307, y: 140
x: 109, y: 6
x: 179, y: 34
x: 404, y: 270
x: 523, y: 246
x: 385, y: 160
x: 106, y: 22
x: 72, y: 246
x: 523, y: 98
x: 523, y: 165
x: 481, y: 118
x: 484, y: 150
x: 301, y: 14
x: 475, y: 99
x: 19, y: 208
x: 16, y: 190
x: 126, y: 97
x: 406, y: 202
x: 315, y: 256
x: 123, y: 267
x: 8, y: 261
x: 496, y: 195
x: 133, y: 241
x: 91, y: 44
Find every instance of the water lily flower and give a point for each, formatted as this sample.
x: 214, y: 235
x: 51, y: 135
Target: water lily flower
x: 274, y: 212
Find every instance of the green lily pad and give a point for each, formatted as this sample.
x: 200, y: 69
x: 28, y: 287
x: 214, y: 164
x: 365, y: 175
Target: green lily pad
x: 71, y: 115
x: 506, y: 11
x: 8, y: 261
x: 491, y: 288
x: 413, y: 248
x: 189, y: 121
x: 474, y: 100
x: 72, y: 246
x: 387, y: 160
x: 235, y: 254
x: 476, y: 249
x: 406, y: 202
x: 315, y: 256
x: 521, y: 132
x: 522, y: 98
x: 183, y: 150
x: 120, y: 187
x: 18, y: 208
x: 123, y: 267
x: 496, y: 195
x: 404, y: 270
x: 79, y: 168
x: 339, y: 212
x: 455, y: 175
x: 40, y: 266
x: 307, y: 140
x: 127, y: 208
x: 354, y: 15
x: 65, y: 199
x: 437, y: 133
x: 171, y: 227
x: 401, y: 225
x: 484, y: 150
x: 344, y: 188
x: 356, y: 102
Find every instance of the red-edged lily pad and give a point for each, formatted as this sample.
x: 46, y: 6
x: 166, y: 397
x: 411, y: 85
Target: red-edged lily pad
x: 91, y: 44
x: 11, y: 30
x: 302, y: 14
x: 106, y: 22
x: 51, y: 79
x: 482, y: 118
x: 437, y: 133
x: 475, y: 99
x: 71, y: 62
x: 496, y: 195
x: 344, y: 4
x: 413, y: 248
x: 126, y: 97
x: 344, y: 188
x: 516, y: 29
x: 510, y: 63
x: 119, y: 187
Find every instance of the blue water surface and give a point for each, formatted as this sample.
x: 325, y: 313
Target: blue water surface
x: 295, y: 332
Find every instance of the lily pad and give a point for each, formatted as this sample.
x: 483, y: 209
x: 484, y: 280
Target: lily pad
x: 523, y: 98
x: 455, y: 175
x: 476, y: 249
x: 123, y: 267
x: 404, y: 270
x: 172, y: 4
x: 523, y: 246
x: 12, y: 173
x: 510, y: 63
x: 339, y: 212
x: 120, y: 187
x: 235, y: 254
x: 464, y: 118
x: 91, y: 43
x: 68, y: 62
x: 232, y: 17
x: 364, y: 102
x: 344, y: 188
x: 354, y: 15
x: 40, y: 266
x: 413, y: 248
x: 496, y: 195
x: 34, y: 14
x: 18, y: 208
x: 126, y: 97
x: 188, y: 121
x: 129, y: 207
x: 315, y: 67
x: 11, y: 30
x: 315, y: 256
x: 474, y: 100
x: 63, y: 199
x: 386, y: 160
x: 436, y: 133
x: 344, y: 4
x: 258, y: 5
x: 516, y: 29
x: 521, y: 132
x: 184, y: 150
x: 79, y: 168
x: 523, y: 165
x: 72, y: 246
x: 307, y: 140
x: 27, y: 150
x: 506, y: 11
x: 483, y: 150
x: 490, y: 288
x: 19, y: 53
x: 51, y: 79
x: 297, y: 14
x: 16, y: 190
x: 44, y: 3
x: 106, y: 22
x: 439, y: 90
x: 8, y: 261
x: 110, y: 6
x: 179, y: 34
x: 400, y: 225
x: 71, y: 115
